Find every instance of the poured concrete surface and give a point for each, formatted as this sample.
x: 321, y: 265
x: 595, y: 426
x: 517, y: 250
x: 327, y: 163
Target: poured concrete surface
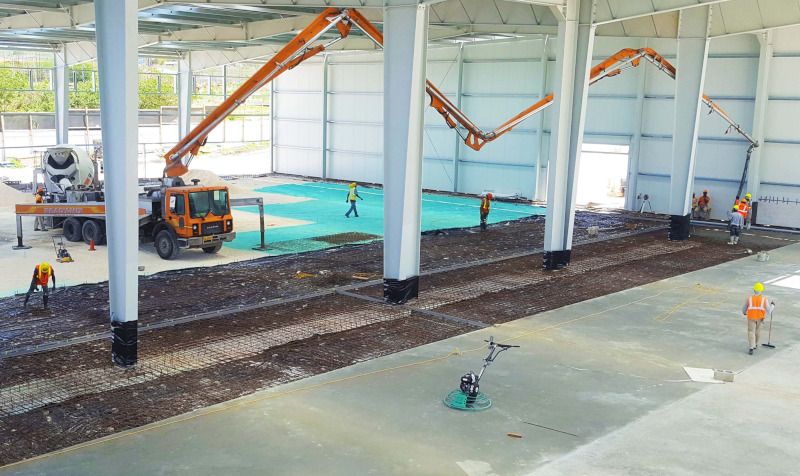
x: 609, y: 370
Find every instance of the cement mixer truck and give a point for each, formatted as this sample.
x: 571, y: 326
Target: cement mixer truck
x: 172, y: 217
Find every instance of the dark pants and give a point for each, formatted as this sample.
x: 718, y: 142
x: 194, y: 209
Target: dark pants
x: 484, y: 216
x: 735, y: 230
x: 352, y: 209
x: 45, y: 292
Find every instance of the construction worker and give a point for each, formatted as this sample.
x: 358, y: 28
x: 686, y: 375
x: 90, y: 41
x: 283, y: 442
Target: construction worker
x: 703, y: 209
x: 351, y: 197
x: 486, y: 205
x: 39, y: 221
x: 41, y: 276
x: 694, y: 205
x: 756, y: 308
x: 735, y: 225
x: 744, y: 206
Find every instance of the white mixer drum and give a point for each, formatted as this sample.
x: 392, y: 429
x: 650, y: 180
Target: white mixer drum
x: 67, y: 168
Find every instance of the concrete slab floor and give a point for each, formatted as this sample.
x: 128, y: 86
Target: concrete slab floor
x: 608, y: 370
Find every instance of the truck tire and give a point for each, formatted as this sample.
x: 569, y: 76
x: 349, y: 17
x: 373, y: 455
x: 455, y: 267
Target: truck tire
x: 72, y: 229
x: 212, y: 249
x: 94, y: 229
x: 166, y: 245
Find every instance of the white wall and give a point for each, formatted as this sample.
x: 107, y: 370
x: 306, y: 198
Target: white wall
x: 501, y: 79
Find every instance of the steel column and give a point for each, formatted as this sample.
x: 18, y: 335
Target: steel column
x: 117, y: 64
x: 61, y: 89
x: 456, y: 137
x: 691, y: 71
x: 184, y: 96
x: 759, y: 113
x: 325, y: 116
x: 540, y: 190
x: 404, y: 59
x: 573, y: 63
x: 272, y: 127
x: 636, y: 141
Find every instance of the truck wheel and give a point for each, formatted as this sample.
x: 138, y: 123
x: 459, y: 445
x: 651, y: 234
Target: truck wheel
x: 212, y: 249
x: 72, y: 229
x: 94, y: 230
x: 166, y: 245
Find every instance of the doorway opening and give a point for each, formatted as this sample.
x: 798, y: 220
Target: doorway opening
x: 603, y: 175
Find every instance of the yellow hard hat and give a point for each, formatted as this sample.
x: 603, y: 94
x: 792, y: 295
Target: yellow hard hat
x: 44, y: 267
x: 352, y: 185
x: 736, y: 207
x: 748, y: 196
x: 758, y: 287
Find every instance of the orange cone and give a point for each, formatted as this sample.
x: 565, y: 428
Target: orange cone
x: 91, y: 244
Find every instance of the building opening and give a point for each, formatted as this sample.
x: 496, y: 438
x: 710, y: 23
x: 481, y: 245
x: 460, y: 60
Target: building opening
x: 603, y: 175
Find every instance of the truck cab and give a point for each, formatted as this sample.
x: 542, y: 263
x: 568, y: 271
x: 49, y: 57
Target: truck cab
x: 187, y: 217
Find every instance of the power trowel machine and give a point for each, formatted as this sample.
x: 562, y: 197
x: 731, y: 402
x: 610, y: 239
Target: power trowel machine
x: 468, y: 396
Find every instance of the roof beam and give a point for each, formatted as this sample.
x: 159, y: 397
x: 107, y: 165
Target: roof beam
x: 68, y: 17
x: 758, y: 30
x: 645, y: 9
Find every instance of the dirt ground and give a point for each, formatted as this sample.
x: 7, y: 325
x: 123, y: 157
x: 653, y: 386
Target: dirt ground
x: 56, y: 398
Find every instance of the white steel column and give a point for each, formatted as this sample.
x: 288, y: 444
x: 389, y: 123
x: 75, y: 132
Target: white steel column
x: 184, y: 96
x: 459, y: 88
x: 636, y: 141
x: 272, y: 127
x: 540, y: 192
x: 691, y: 71
x: 61, y: 88
x: 573, y: 63
x: 325, y: 116
x: 759, y: 112
x: 117, y: 39
x: 405, y: 31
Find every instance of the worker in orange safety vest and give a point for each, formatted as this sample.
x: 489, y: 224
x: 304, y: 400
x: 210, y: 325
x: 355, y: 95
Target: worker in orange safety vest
x: 41, y: 277
x: 38, y: 223
x: 756, y: 308
x: 703, y: 208
x: 744, y: 207
x: 486, y: 206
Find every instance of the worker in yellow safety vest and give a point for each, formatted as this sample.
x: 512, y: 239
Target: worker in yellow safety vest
x: 756, y: 308
x: 41, y: 277
x: 486, y: 205
x: 351, y: 197
x: 39, y: 220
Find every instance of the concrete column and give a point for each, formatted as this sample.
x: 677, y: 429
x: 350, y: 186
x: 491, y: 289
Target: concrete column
x: 759, y: 112
x: 540, y: 190
x: 324, y: 116
x: 573, y: 63
x: 459, y: 89
x: 184, y: 96
x: 405, y: 31
x: 117, y: 64
x: 691, y: 71
x: 636, y: 141
x: 61, y: 88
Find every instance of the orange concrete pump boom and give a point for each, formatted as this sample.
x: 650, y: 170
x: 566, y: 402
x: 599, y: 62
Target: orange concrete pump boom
x: 299, y: 49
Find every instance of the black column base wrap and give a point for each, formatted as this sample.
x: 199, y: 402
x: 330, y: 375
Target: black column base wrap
x: 124, y: 338
x: 553, y: 260
x: 398, y: 291
x: 753, y: 213
x: 679, y: 227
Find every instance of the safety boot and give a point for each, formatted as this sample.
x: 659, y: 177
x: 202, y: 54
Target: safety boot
x: 735, y: 240
x: 45, y: 301
x: 27, y: 296
x: 730, y: 241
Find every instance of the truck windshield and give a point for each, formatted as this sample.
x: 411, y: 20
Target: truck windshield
x: 214, y: 202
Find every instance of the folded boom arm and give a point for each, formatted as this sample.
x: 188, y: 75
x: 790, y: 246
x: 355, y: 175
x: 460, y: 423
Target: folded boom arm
x: 299, y: 49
